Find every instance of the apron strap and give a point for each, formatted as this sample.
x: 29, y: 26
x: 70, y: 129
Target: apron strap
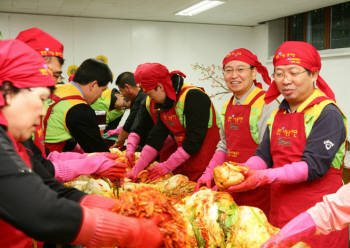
x: 316, y: 101
x: 256, y: 97
x: 57, y: 99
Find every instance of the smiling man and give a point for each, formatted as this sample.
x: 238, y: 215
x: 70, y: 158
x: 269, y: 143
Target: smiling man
x: 244, y: 116
x: 302, y: 151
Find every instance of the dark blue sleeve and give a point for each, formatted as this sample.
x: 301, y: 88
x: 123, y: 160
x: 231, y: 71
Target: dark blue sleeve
x: 263, y: 150
x: 327, y: 135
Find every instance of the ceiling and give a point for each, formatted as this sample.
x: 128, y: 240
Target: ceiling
x: 233, y: 12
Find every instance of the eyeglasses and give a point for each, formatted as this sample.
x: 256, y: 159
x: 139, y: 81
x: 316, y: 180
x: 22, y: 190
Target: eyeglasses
x: 58, y: 76
x: 239, y: 70
x: 280, y: 76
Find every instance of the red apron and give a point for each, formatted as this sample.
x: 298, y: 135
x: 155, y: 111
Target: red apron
x: 10, y: 236
x: 57, y: 146
x: 288, y: 141
x: 196, y: 164
x: 165, y: 152
x: 240, y: 147
x: 39, y: 138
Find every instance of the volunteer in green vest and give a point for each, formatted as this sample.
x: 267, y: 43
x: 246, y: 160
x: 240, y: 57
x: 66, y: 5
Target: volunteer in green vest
x: 130, y: 90
x: 113, y: 103
x: 145, y: 120
x: 187, y: 113
x: 70, y: 120
x: 32, y: 204
x: 302, y: 152
x: 244, y: 116
x: 52, y: 51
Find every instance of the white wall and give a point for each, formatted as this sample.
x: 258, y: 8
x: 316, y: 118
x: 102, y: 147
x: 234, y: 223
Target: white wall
x: 127, y: 43
x: 177, y: 45
x: 335, y: 64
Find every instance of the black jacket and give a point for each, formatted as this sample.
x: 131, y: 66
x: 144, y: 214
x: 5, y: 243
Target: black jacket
x: 33, y: 201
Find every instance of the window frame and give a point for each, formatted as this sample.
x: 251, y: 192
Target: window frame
x: 327, y: 27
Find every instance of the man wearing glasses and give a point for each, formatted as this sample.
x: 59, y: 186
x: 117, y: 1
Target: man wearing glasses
x: 50, y: 48
x: 244, y: 118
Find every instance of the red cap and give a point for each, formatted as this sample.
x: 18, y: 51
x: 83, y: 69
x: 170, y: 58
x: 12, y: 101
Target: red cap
x: 148, y: 75
x: 302, y: 54
x: 247, y: 56
x: 41, y: 42
x: 22, y: 66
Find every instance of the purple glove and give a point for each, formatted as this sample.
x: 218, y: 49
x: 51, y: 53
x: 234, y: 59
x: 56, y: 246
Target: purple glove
x: 148, y: 154
x: 113, y: 132
x: 302, y: 226
x: 295, y: 172
x: 53, y: 156
x: 175, y: 160
x: 67, y: 170
x: 133, y: 141
x: 207, y: 177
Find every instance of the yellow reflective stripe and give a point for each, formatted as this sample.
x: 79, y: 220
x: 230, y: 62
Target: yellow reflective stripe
x: 148, y: 104
x: 316, y: 93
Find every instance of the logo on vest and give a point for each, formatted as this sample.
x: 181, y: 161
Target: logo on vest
x: 287, y: 132
x: 235, y: 122
x: 170, y: 123
x: 170, y: 120
x: 284, y: 141
x: 233, y: 154
x: 328, y: 144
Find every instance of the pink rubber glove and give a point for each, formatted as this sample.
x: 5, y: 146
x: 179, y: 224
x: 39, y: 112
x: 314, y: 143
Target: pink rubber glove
x: 207, y: 176
x: 299, y: 228
x: 53, y: 156
x: 101, y: 228
x: 256, y: 163
x: 148, y: 154
x: 113, y: 132
x: 133, y: 141
x: 295, y: 172
x: 175, y: 160
x: 97, y: 201
x: 67, y: 170
x: 115, y: 172
x: 332, y: 213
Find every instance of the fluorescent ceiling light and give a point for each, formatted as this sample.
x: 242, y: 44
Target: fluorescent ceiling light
x: 199, y: 7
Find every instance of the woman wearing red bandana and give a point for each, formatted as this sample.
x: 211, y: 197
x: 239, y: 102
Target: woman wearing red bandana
x: 33, y: 205
x: 187, y: 113
x: 244, y: 116
x: 301, y: 154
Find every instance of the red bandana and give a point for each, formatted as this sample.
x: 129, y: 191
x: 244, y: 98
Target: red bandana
x: 41, y: 42
x: 246, y: 56
x: 302, y: 54
x: 148, y: 75
x: 22, y: 66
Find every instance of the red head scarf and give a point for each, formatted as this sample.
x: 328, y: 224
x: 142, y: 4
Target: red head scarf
x: 22, y: 66
x: 148, y: 75
x: 302, y: 54
x: 246, y: 56
x: 41, y: 42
